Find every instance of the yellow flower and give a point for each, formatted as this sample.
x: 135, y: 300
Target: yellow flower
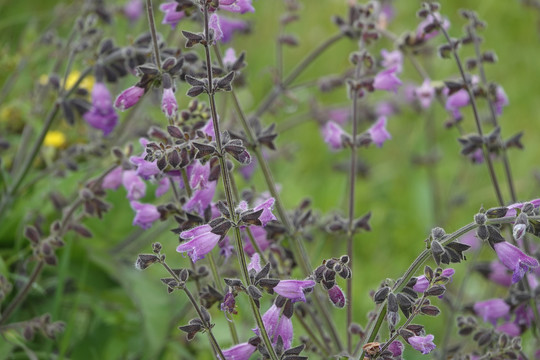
x: 55, y: 139
x: 87, y: 83
x: 43, y: 79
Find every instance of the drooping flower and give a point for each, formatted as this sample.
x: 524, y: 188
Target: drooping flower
x: 201, y: 240
x: 392, y: 59
x: 267, y: 215
x: 387, y: 80
x: 145, y: 215
x: 136, y: 188
x: 230, y: 57
x: 255, y: 263
x: 422, y: 283
x: 241, y: 351
x: 133, y: 9
x: 421, y: 32
x: 102, y: 115
x: 276, y: 325
x: 336, y: 296
x: 172, y: 17
x: 228, y: 306
x: 128, y: 98
x: 456, y: 101
x: 201, y: 198
x: 237, y: 6
x: 169, y: 106
x: 199, y: 174
x: 501, y: 100
x: 378, y: 132
x: 425, y: 94
x: 424, y: 344
x: 215, y: 25
x: 113, y: 180
x: 513, y: 258
x: 332, y: 135
x: 496, y: 272
x: 293, y: 289
x: 491, y: 310
x: 145, y: 169
x: 396, y: 348
x: 230, y: 26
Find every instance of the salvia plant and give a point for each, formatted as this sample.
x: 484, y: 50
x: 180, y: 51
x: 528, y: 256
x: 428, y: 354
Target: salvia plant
x: 149, y: 118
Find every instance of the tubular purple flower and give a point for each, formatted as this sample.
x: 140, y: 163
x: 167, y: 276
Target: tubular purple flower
x: 294, y: 289
x: 491, y: 310
x: 133, y: 9
x: 422, y: 282
x: 514, y: 259
x: 387, y: 80
x: 145, y: 215
x: 201, y: 240
x: 113, y: 180
x: 509, y: 328
x: 512, y: 209
x: 396, y: 348
x: 501, y: 100
x: 425, y: 94
x: 267, y: 215
x: 172, y: 17
x: 241, y: 351
x: 230, y: 57
x: 337, y: 297
x: 128, y: 98
x: 332, y: 135
x: 229, y: 27
x: 378, y: 132
x: 201, y: 198
x: 228, y: 305
x: 499, y: 274
x: 101, y: 115
x: 237, y: 6
x: 424, y: 344
x: 198, y: 177
x: 135, y: 187
x: 260, y: 236
x: 215, y: 26
x: 277, y: 325
x: 163, y: 186
x: 145, y: 169
x: 392, y: 59
x: 456, y: 101
x: 169, y: 106
x: 420, y: 30
x: 255, y: 263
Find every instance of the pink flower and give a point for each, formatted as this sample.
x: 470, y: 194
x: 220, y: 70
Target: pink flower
x: 392, y: 59
x: 387, y: 80
x: 201, y: 198
x: 135, y: 187
x: 133, y: 9
x: 332, y: 134
x: 255, y: 263
x: 241, y: 351
x: 424, y: 344
x: 259, y: 235
x: 336, y: 296
x: 456, y: 101
x: 113, y: 180
x: 491, y: 310
x: 230, y: 26
x: 172, y: 17
x: 422, y: 283
x: 214, y: 25
x: 201, y: 240
x: 293, y: 289
x: 128, y: 97
x: 378, y: 132
x: 237, y: 6
x: 277, y: 325
x: 145, y: 169
x: 169, y: 106
x: 425, y: 94
x: 267, y: 215
x: 501, y: 100
x: 514, y: 259
x: 145, y: 215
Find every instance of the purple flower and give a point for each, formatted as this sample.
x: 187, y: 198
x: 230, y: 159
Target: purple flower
x: 113, y: 180
x: 267, y: 215
x: 201, y: 198
x: 293, y: 289
x: 145, y: 169
x: 172, y: 17
x: 425, y: 93
x: 277, y: 325
x: 228, y: 305
x: 136, y: 188
x: 392, y: 59
x: 241, y: 351
x: 332, y: 134
x: 237, y: 6
x: 385, y: 108
x: 396, y: 348
x: 499, y: 274
x: 199, y: 174
x: 229, y: 27
x: 469, y: 238
x: 430, y: 19
x: 163, y: 186
x: 201, y: 240
x: 169, y: 106
x: 512, y: 209
x: 255, y: 263
x: 145, y: 215
x: 260, y: 237
x: 514, y: 259
x: 378, y: 132
x: 339, y: 116
x: 456, y: 101
x: 225, y: 247
x: 387, y: 80
x: 509, y: 328
x: 214, y: 25
x: 336, y: 296
x: 128, y: 97
x: 230, y: 57
x: 424, y: 344
x: 208, y: 129
x: 491, y: 310
x: 501, y: 100
x: 133, y: 9
x: 101, y: 115
x: 422, y: 283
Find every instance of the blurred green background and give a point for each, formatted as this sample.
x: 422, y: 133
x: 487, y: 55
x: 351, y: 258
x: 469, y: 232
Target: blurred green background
x: 113, y: 311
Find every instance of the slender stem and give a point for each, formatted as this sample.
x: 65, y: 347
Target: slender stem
x: 228, y: 192
x: 278, y: 90
x: 352, y: 188
x: 186, y: 182
x: 476, y: 115
x: 312, y: 336
x: 152, y: 25
x: 22, y: 294
x: 219, y: 285
x: 208, y: 326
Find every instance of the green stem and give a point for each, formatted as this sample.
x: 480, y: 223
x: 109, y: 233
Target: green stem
x: 152, y: 26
